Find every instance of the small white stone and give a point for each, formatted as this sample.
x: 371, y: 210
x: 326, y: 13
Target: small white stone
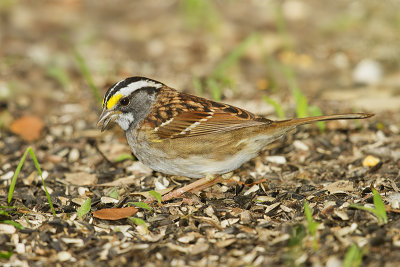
x: 276, y: 159
x: 186, y: 238
x: 161, y: 183
x: 367, y: 71
x: 333, y: 262
x: 107, y: 200
x: 229, y: 222
x: 20, y: 248
x: 294, y: 10
x: 394, y: 200
x: 340, y: 60
x: 342, y: 215
x: 82, y: 191
x: 64, y: 256
x: 138, y: 167
x: 300, y: 145
x: 7, y: 175
x: 7, y: 229
x: 73, y: 155
x: 45, y: 174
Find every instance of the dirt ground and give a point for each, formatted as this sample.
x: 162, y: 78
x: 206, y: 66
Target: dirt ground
x: 343, y: 56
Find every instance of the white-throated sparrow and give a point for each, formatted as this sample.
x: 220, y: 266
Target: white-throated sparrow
x: 185, y: 135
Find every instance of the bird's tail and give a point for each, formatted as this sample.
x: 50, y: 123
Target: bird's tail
x: 300, y: 121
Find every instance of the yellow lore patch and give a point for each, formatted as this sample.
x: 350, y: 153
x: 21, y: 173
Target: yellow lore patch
x: 113, y: 100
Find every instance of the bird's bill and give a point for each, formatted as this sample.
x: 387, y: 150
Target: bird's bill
x: 106, y: 117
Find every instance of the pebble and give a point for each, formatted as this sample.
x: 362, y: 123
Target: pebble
x: 342, y: 215
x: 138, y: 167
x: 186, y: 238
x: 245, y: 217
x: 295, y: 10
x: 300, y: 145
x: 73, y: 155
x: 7, y: 229
x: 20, y: 248
x: 341, y: 60
x: 333, y: 261
x: 7, y: 175
x: 108, y: 200
x: 161, y: 183
x: 367, y: 71
x: 82, y: 191
x: 276, y: 159
x: 394, y: 200
x: 64, y: 256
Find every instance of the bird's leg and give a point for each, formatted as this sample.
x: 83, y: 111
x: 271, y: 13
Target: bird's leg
x: 196, y: 186
x: 212, y: 180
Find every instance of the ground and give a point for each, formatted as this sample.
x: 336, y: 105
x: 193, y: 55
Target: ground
x: 274, y: 58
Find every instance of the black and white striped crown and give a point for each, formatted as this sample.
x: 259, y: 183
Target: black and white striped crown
x: 129, y: 85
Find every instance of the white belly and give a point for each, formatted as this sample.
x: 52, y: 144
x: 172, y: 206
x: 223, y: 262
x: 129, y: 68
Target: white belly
x: 197, y: 166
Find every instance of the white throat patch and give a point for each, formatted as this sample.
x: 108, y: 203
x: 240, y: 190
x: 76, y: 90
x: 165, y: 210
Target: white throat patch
x: 124, y: 120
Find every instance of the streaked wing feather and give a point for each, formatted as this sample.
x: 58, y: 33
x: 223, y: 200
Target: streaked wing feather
x: 195, y: 123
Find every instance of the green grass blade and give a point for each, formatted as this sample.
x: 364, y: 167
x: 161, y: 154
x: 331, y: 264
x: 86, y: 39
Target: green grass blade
x: 278, y: 108
x: 380, y: 210
x: 141, y: 205
x: 198, y: 87
x: 14, y: 179
x: 156, y: 195
x: 60, y: 75
x: 216, y: 90
x: 316, y: 111
x: 233, y: 57
x: 35, y: 161
x: 200, y: 14
x: 85, y: 208
x: 353, y: 257
x: 15, y: 224
x: 362, y: 208
x: 138, y: 222
x: 113, y: 192
x: 297, y: 233
x: 301, y: 104
x: 282, y: 28
x: 299, y: 97
x: 6, y: 255
x: 124, y: 157
x: 88, y: 77
x: 311, y: 224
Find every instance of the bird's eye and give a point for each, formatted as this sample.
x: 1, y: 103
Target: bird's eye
x: 124, y: 101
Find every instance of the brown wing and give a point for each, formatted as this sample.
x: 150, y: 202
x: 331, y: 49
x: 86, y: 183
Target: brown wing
x: 186, y: 115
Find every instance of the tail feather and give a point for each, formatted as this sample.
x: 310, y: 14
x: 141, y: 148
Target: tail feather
x: 301, y: 121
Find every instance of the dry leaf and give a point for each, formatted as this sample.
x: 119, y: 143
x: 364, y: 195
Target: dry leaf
x: 115, y: 214
x: 28, y: 127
